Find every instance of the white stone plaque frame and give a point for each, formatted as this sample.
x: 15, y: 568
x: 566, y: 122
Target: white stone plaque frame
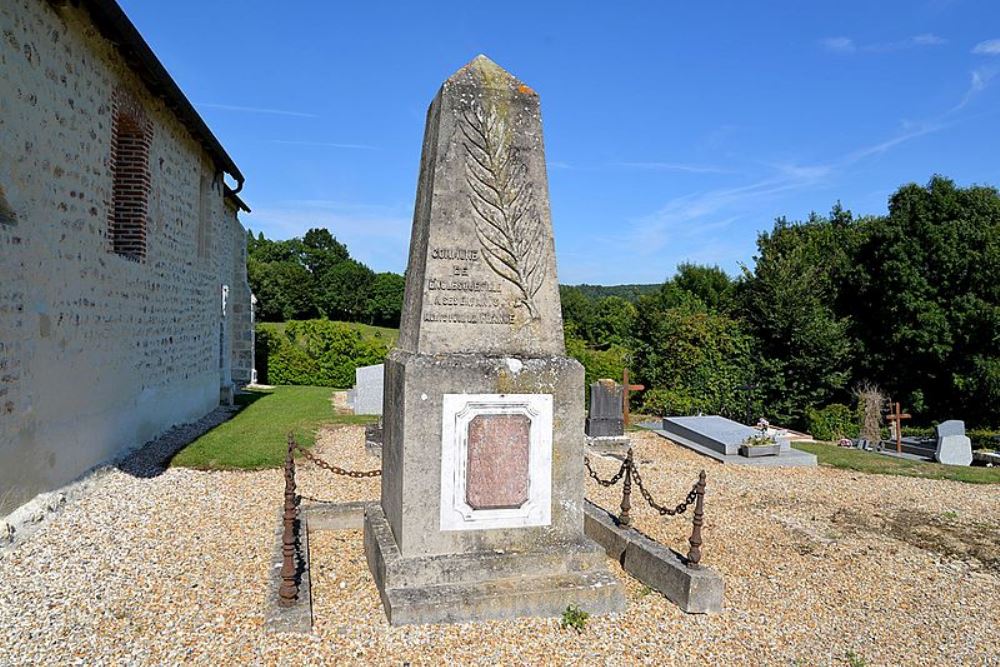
x: 460, y: 409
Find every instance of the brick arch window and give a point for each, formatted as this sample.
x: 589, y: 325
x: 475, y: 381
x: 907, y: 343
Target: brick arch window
x: 132, y: 134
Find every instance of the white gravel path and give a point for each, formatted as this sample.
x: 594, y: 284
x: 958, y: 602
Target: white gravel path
x: 172, y: 568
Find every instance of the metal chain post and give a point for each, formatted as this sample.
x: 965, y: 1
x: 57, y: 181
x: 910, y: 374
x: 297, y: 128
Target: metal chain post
x: 624, y: 519
x: 289, y: 590
x: 694, y: 554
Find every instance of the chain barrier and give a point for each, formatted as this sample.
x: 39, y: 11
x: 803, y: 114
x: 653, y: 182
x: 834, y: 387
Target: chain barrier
x: 695, y: 496
x: 679, y: 509
x: 605, y: 482
x: 336, y: 470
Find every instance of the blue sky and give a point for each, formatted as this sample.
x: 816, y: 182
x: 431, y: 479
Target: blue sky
x: 674, y: 131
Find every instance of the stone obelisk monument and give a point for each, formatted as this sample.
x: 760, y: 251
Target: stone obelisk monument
x: 482, y: 486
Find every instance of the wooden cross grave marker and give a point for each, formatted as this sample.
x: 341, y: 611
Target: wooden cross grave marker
x: 896, y: 418
x: 626, y: 388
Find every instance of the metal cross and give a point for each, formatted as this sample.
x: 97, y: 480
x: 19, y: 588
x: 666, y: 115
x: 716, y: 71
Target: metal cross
x: 897, y: 417
x: 626, y: 388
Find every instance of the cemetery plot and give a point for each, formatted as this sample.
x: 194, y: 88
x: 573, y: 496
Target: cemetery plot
x: 723, y: 439
x: 797, y: 547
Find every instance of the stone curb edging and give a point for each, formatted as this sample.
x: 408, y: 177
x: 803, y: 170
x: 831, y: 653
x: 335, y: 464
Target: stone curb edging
x: 695, y: 590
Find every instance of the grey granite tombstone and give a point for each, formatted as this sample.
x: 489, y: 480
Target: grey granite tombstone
x: 953, y: 446
x: 606, y: 418
x: 481, y: 514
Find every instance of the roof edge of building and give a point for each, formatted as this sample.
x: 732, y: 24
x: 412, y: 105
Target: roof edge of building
x: 112, y: 22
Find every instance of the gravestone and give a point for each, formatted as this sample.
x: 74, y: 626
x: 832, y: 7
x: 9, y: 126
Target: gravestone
x: 365, y: 398
x: 953, y: 446
x: 606, y: 418
x: 481, y: 513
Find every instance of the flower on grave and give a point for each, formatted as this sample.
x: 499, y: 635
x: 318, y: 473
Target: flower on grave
x: 759, y: 440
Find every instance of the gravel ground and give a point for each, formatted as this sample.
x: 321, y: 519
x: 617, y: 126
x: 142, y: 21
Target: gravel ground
x: 164, y: 567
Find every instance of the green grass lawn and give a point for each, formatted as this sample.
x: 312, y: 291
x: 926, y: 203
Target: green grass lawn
x: 387, y: 335
x: 877, y: 464
x: 257, y: 436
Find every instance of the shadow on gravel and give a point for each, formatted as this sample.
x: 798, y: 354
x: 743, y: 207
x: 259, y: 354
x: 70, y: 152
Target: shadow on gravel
x: 153, y: 458
x: 944, y: 534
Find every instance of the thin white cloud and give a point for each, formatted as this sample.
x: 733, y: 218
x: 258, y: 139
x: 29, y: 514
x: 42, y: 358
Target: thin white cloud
x: 326, y: 144
x: 260, y: 110
x: 839, y: 44
x: 847, y: 45
x: 909, y: 132
x: 980, y: 79
x: 673, y: 166
x: 990, y: 47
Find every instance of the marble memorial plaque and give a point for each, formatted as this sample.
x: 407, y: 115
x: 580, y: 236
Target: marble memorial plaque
x: 496, y: 461
x: 497, y: 466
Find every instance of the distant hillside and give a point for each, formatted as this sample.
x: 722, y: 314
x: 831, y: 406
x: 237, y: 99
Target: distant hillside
x: 629, y: 292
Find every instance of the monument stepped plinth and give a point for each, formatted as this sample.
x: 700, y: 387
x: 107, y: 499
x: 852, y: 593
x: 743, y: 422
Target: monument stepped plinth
x: 481, y: 515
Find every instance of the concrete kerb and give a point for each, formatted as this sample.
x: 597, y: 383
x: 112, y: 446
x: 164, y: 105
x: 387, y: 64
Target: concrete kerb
x: 695, y: 590
x: 298, y: 618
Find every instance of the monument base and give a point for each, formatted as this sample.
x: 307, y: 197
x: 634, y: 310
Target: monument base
x: 612, y: 444
x: 479, y: 586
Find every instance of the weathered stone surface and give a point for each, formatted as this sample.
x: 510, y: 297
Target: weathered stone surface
x: 695, y: 590
x: 482, y: 452
x: 412, y: 450
x: 482, y: 272
x: 497, y: 468
x: 606, y: 418
x: 335, y: 516
x: 488, y: 585
x: 955, y: 450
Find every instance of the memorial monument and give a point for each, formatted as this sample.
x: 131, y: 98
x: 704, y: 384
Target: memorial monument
x: 481, y: 513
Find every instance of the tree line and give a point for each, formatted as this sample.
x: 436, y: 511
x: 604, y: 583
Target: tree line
x: 314, y: 276
x: 909, y: 301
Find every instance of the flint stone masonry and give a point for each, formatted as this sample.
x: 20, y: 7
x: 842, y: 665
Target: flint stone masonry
x: 458, y: 535
x: 100, y: 352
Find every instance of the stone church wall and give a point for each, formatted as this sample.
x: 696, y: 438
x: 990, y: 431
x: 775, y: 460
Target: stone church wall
x: 107, y: 339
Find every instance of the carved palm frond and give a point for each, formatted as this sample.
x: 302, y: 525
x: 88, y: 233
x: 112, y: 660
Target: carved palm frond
x: 508, y: 225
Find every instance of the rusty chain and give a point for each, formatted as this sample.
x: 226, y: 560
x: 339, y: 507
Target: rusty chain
x: 605, y: 482
x: 626, y: 464
x: 679, y: 509
x: 336, y: 470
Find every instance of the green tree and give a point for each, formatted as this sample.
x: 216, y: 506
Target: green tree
x: 344, y: 291
x: 710, y: 284
x: 577, y: 309
x: 692, y: 360
x: 284, y: 290
x: 802, y: 347
x: 928, y: 301
x: 386, y: 302
x: 612, y: 321
x: 321, y: 251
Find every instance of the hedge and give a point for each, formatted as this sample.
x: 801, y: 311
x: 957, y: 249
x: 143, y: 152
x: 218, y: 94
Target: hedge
x: 315, y: 352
